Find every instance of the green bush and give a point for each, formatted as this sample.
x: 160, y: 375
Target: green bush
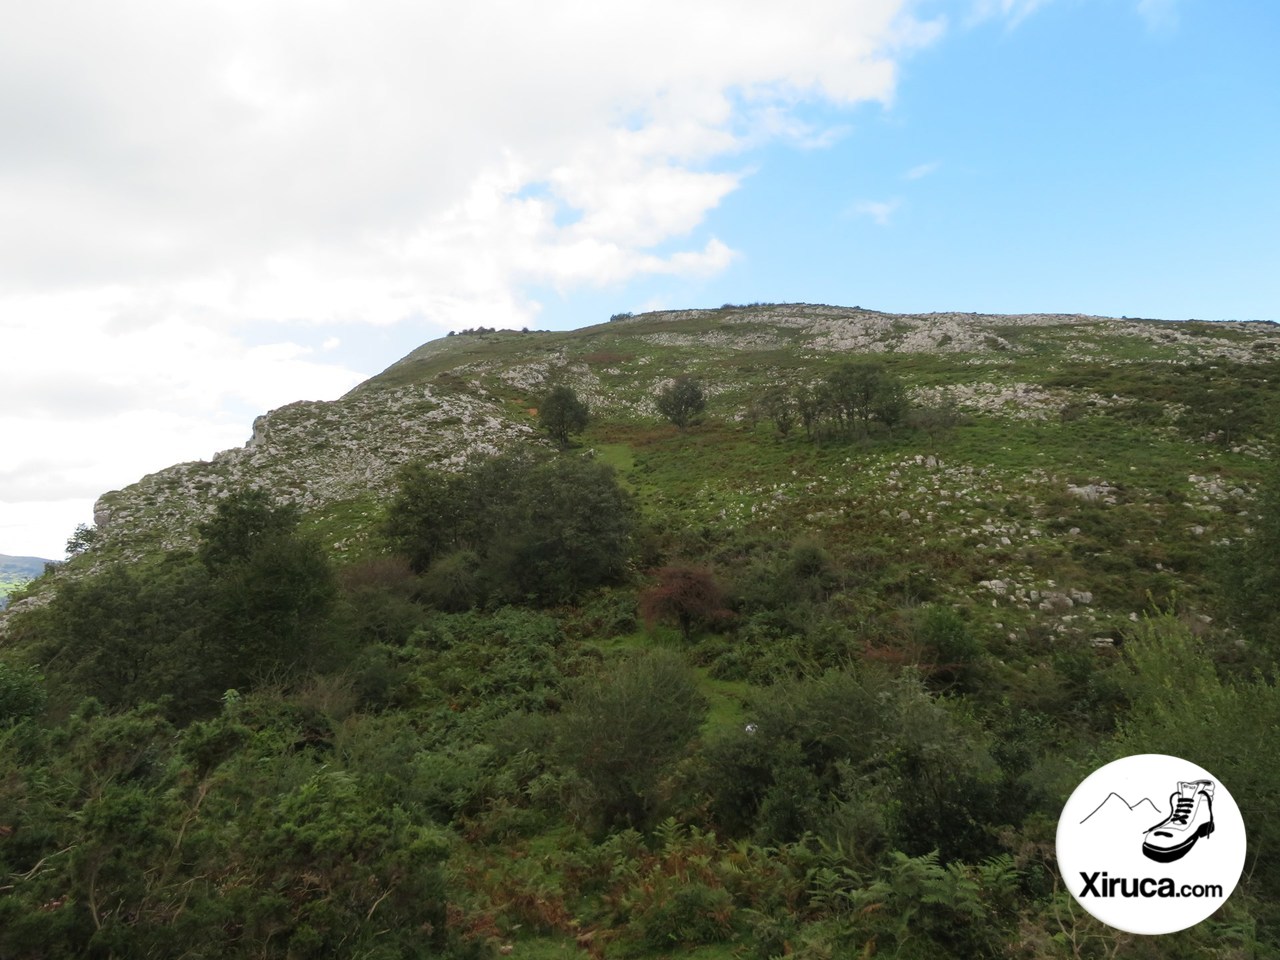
x: 858, y: 756
x: 513, y: 529
x: 690, y: 915
x: 251, y: 603
x: 623, y: 728
x: 1183, y: 708
x: 22, y: 693
x: 561, y: 413
x: 682, y: 401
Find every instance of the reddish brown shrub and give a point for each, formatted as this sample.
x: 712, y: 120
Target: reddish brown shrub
x: 686, y: 596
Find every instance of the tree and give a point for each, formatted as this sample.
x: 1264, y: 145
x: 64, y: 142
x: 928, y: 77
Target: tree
x: 239, y: 523
x: 852, y: 389
x: 890, y: 403
x: 268, y: 611
x: 681, y: 401
x: 562, y: 413
x: 84, y: 537
x: 860, y: 392
x: 687, y: 596
x: 809, y: 408
x: 780, y: 407
x: 514, y: 527
x: 271, y: 591
x: 566, y: 529
x: 425, y: 516
x: 622, y: 729
x: 126, y: 636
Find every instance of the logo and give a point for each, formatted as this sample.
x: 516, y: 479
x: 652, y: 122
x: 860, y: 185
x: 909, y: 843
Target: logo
x: 1151, y: 844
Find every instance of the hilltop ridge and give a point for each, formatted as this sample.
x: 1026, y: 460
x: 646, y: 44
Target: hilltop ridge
x: 474, y: 394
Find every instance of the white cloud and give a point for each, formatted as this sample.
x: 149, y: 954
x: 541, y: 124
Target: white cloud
x: 880, y: 211
x: 1013, y: 12
x: 175, y: 176
x: 922, y: 170
x: 1160, y: 16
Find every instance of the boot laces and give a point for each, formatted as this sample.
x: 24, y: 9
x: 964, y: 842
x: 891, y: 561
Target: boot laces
x: 1183, y: 810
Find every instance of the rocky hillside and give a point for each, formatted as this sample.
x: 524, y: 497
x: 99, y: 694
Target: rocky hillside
x: 1158, y: 423
x: 812, y: 675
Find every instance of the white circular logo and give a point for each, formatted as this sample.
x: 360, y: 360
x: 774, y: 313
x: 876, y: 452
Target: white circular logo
x: 1151, y: 844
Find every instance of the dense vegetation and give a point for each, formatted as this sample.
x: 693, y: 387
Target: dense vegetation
x: 691, y: 689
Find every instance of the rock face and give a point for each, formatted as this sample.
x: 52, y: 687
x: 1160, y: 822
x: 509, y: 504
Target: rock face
x: 313, y: 454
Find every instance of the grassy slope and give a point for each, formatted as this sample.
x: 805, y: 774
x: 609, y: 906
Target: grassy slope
x: 1088, y: 401
x: 996, y: 508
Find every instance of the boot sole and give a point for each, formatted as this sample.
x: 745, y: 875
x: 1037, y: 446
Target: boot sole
x: 1169, y: 854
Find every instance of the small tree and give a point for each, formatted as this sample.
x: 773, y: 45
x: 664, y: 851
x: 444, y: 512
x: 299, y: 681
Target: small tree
x: 890, y: 404
x: 854, y: 394
x: 681, y: 401
x: 622, y: 729
x: 543, y: 529
x: 808, y: 408
x: 687, y: 596
x: 562, y: 413
x: 84, y: 537
x: 780, y: 407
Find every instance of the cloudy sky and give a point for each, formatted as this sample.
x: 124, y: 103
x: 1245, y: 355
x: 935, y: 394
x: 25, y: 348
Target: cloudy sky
x: 209, y: 209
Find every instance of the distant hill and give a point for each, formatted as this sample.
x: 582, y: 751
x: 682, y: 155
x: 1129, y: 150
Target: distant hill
x: 16, y: 571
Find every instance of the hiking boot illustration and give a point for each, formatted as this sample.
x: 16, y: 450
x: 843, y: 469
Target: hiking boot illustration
x: 1190, y: 818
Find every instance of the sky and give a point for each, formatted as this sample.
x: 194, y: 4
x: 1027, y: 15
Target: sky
x: 212, y: 208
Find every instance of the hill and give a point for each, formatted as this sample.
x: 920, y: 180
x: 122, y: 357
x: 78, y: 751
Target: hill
x: 15, y: 572
x: 810, y: 676
x: 1080, y: 435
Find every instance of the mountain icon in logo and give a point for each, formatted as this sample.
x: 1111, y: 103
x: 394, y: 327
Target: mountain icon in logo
x: 1116, y: 809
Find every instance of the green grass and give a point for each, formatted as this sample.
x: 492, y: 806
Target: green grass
x: 726, y: 701
x: 349, y: 528
x: 11, y: 586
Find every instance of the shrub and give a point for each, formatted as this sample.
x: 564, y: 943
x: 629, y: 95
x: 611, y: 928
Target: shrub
x: 690, y: 915
x: 854, y: 752
x: 623, y: 728
x: 687, y: 596
x: 22, y: 693
x: 1181, y: 707
x: 513, y: 528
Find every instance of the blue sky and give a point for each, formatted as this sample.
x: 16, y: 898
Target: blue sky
x: 1084, y: 158
x: 213, y: 208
